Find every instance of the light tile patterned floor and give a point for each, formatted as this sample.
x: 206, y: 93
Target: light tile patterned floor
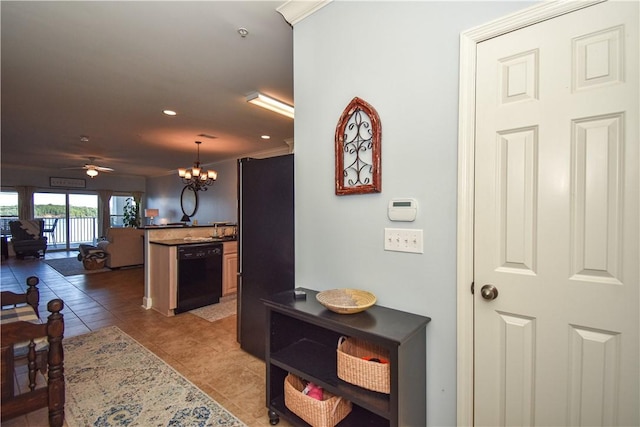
x: 190, y: 344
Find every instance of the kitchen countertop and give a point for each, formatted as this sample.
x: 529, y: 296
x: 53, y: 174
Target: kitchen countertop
x: 176, y: 225
x: 193, y: 241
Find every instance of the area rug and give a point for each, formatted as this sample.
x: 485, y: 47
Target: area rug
x: 112, y: 380
x: 71, y: 267
x: 225, y: 308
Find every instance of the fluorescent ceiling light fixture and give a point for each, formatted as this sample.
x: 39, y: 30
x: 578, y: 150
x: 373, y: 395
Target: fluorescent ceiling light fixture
x: 169, y: 112
x: 262, y: 100
x: 265, y: 137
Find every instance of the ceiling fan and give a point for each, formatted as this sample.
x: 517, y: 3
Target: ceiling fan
x: 92, y: 169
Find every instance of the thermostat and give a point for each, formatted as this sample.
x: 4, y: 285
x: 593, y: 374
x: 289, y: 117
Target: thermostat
x: 403, y: 209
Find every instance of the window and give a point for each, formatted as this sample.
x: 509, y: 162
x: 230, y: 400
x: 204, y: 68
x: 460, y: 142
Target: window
x: 70, y: 219
x: 8, y: 209
x: 116, y: 209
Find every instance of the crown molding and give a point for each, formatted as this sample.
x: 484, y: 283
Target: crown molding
x: 295, y: 11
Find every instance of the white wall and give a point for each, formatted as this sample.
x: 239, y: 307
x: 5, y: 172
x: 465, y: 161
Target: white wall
x: 39, y: 178
x: 214, y: 205
x: 402, y: 58
x: 217, y: 204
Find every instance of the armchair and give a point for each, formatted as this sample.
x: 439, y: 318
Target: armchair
x: 125, y: 247
x: 27, y: 238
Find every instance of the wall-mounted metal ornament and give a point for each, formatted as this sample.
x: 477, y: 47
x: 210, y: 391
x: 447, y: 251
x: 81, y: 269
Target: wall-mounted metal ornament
x: 358, y: 136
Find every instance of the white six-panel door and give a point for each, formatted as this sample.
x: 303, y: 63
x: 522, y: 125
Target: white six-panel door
x: 557, y: 222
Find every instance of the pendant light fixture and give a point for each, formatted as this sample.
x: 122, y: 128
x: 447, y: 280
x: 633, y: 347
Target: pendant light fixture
x: 195, y: 177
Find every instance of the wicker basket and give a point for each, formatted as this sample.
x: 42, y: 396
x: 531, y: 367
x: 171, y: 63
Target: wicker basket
x: 93, y: 263
x: 346, y: 301
x: 318, y: 413
x: 353, y: 369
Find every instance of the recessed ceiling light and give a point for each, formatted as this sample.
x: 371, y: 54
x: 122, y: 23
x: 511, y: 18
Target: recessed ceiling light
x: 169, y: 112
x: 265, y: 137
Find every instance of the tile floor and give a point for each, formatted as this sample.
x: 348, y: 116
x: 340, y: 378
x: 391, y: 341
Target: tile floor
x: 206, y: 353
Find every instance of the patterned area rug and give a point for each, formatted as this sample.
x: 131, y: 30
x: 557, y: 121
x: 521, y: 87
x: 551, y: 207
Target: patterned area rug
x: 225, y: 308
x: 71, y: 266
x: 112, y: 380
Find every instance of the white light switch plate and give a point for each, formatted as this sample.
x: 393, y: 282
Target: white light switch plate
x: 403, y: 240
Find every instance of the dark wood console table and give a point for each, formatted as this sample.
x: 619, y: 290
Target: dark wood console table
x: 302, y: 337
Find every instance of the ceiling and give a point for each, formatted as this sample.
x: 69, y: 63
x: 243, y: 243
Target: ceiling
x: 107, y: 70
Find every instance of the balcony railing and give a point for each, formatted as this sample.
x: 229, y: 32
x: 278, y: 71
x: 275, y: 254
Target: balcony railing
x: 81, y: 230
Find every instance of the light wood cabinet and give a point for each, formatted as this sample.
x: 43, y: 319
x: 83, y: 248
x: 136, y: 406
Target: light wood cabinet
x: 163, y: 284
x: 230, y: 268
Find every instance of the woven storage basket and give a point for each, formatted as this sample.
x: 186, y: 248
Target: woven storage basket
x: 318, y: 413
x: 93, y: 264
x: 353, y: 369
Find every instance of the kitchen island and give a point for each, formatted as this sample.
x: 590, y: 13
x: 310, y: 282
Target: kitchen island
x: 163, y: 247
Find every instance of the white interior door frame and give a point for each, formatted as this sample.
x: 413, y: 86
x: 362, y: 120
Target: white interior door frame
x: 466, y: 182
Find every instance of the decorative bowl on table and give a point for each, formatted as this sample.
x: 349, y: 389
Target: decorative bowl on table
x: 346, y: 301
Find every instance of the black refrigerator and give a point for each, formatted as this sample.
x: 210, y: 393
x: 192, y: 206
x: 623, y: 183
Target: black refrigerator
x: 265, y: 242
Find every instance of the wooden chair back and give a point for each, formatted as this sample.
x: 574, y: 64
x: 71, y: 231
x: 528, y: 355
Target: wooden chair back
x: 51, y: 396
x: 31, y: 297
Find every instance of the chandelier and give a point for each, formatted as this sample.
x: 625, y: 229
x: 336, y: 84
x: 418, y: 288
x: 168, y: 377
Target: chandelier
x: 196, y: 178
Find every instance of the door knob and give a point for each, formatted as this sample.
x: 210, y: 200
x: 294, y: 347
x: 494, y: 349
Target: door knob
x: 489, y: 292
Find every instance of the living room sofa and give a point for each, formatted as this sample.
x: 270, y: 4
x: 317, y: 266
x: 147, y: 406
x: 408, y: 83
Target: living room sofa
x: 124, y: 246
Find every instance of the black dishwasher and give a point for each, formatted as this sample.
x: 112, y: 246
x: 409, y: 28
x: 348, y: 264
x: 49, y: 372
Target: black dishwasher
x: 199, y: 275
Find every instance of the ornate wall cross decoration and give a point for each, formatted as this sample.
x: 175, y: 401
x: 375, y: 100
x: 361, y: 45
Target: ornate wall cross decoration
x: 358, y: 136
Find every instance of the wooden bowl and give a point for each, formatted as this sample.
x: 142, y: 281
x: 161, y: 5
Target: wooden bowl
x: 346, y: 301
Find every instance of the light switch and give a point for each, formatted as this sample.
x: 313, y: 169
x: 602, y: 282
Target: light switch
x: 403, y: 240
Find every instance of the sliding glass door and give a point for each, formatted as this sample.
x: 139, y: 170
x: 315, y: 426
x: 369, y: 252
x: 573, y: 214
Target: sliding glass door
x: 70, y: 219
x: 83, y: 219
x: 8, y: 210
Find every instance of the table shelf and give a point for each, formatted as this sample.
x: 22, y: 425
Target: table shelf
x: 302, y: 339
